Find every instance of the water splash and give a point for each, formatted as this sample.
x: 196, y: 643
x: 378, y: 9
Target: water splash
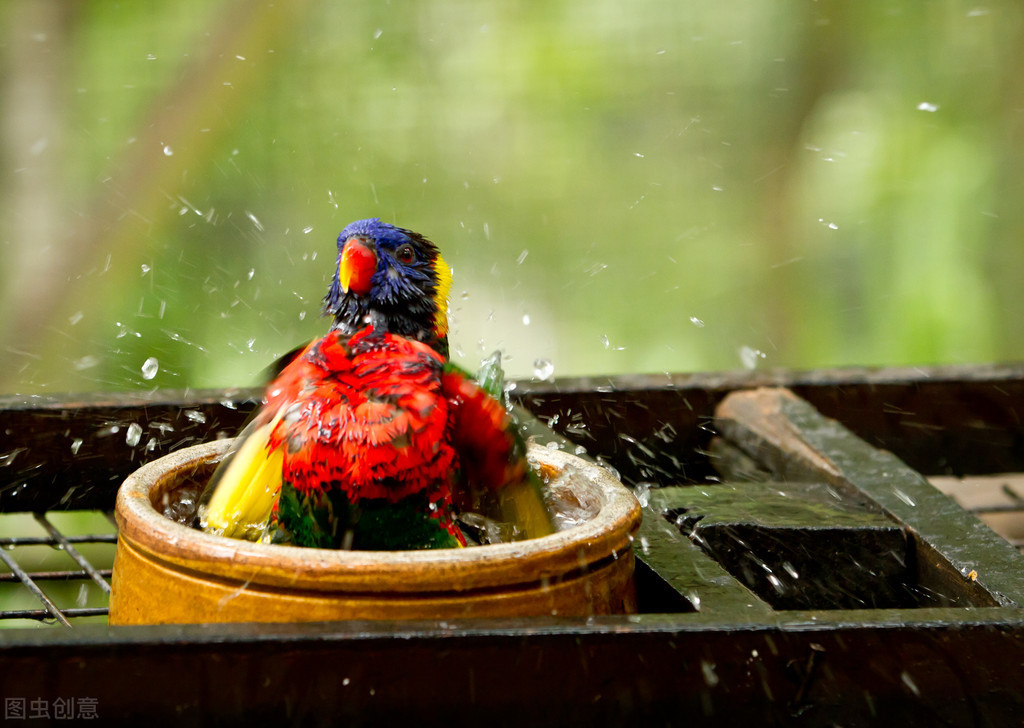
x: 708, y: 670
x: 750, y: 356
x: 642, y: 491
x: 150, y: 367
x: 133, y: 434
x: 909, y: 682
x: 543, y: 369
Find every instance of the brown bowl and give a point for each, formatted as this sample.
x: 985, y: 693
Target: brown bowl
x: 165, y: 572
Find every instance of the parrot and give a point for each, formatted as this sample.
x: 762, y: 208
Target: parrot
x: 370, y: 438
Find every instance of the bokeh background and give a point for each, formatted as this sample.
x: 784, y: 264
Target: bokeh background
x: 638, y: 186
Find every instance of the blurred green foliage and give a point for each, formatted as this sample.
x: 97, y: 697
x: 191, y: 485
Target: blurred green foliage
x: 619, y: 186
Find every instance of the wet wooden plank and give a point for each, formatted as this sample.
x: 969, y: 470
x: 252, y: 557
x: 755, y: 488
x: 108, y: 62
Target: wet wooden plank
x: 64, y: 451
x: 645, y: 671
x: 922, y: 666
x: 955, y: 552
x: 72, y: 453
x: 682, y: 570
x: 940, y: 420
x: 798, y: 545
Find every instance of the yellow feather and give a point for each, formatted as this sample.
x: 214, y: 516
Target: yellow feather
x: 246, y: 487
x: 522, y: 504
x: 444, y: 287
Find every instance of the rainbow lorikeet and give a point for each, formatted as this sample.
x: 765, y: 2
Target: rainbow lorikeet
x: 370, y: 438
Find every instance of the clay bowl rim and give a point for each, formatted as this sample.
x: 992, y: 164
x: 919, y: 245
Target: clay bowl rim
x: 585, y: 547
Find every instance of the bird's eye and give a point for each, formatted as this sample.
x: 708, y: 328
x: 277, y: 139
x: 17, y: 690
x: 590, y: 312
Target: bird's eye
x: 405, y: 254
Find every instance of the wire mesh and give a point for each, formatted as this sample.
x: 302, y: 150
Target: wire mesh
x: 58, y: 567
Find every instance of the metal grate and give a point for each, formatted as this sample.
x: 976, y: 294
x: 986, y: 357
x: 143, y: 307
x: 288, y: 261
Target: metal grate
x: 57, y: 576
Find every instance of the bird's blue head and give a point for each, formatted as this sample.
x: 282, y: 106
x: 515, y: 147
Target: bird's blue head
x: 391, y: 276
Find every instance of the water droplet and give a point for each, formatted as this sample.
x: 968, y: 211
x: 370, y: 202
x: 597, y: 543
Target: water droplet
x: 133, y: 435
x: 255, y: 220
x: 543, y: 369
x: 308, y: 229
x: 150, y: 367
x: 195, y: 416
x: 75, y: 444
x: 610, y: 468
x: 904, y: 497
x: 708, y: 669
x: 377, y: 33
x: 86, y: 362
x: 750, y: 356
x: 168, y: 151
x: 522, y: 257
x: 697, y: 322
x: 526, y: 319
x: 909, y: 682
x: 642, y: 491
x: 145, y: 269
x: 929, y: 107
x: 608, y: 344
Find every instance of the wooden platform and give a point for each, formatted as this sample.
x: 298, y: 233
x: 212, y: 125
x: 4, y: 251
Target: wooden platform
x: 797, y: 567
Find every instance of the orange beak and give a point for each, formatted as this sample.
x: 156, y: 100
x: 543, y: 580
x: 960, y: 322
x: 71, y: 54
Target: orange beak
x: 357, y: 265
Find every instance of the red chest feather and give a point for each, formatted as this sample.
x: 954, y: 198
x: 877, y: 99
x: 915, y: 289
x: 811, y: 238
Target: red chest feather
x: 365, y: 414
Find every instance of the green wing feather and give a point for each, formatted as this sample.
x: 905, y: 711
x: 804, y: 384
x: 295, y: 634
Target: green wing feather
x: 521, y: 503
